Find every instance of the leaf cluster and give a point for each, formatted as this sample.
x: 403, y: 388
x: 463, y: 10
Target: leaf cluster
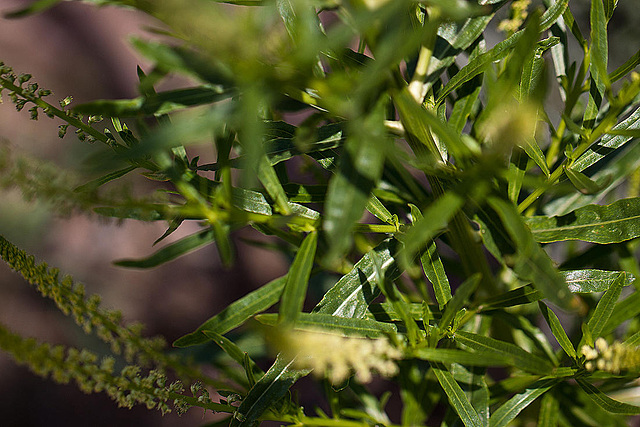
x: 441, y: 201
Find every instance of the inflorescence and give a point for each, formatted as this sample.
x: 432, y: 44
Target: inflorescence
x: 23, y: 92
x: 615, y: 358
x: 337, y: 357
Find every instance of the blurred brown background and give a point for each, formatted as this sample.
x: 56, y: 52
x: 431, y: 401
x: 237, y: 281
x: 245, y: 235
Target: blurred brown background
x: 79, y: 50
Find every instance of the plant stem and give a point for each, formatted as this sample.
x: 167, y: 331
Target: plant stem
x: 48, y: 108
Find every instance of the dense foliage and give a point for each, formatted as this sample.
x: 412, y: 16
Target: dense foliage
x: 390, y: 153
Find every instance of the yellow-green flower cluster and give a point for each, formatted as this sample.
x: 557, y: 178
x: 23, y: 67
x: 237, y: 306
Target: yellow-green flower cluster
x: 91, y: 374
x: 337, y: 357
x: 71, y: 300
x: 614, y: 358
x: 517, y: 15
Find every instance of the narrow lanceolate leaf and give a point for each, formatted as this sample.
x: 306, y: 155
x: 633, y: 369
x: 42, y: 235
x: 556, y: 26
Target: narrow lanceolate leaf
x: 519, y: 357
x: 449, y: 355
x: 551, y: 15
x: 605, y: 306
x: 94, y: 184
x: 612, y: 223
x: 478, y: 65
x: 591, y: 280
x: 349, y: 190
x: 424, y: 125
x: 270, y: 388
x: 599, y: 50
x: 327, y: 322
x: 623, y: 70
x: 557, y: 330
x: 605, y: 402
x: 549, y: 411
x: 376, y: 207
x: 626, y: 159
x: 353, y: 293
x: 295, y: 289
x: 457, y: 37
x: 234, y: 352
x: 463, y: 293
x: 434, y: 270
x: 435, y: 219
x: 156, y: 103
x: 522, y: 295
x: 532, y: 263
x: 509, y: 410
x: 626, y: 309
x: 172, y: 251
x: 583, y: 183
x: 457, y: 398
x: 236, y: 313
x: 531, y: 147
x: 269, y: 179
x: 608, y: 143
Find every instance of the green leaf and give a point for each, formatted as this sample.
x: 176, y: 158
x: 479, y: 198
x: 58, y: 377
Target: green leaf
x: 557, y: 330
x: 531, y: 147
x: 94, y: 184
x: 422, y: 124
x: 449, y: 355
x: 467, y: 95
x: 359, y: 170
x: 583, y: 183
x: 605, y: 402
x: 436, y: 217
x: 235, y: 353
x: 250, y: 201
x: 271, y: 387
x: 613, y: 223
x: 532, y: 262
x: 223, y: 242
x: 599, y: 50
x: 454, y: 38
x: 478, y: 65
x: 626, y: 309
x: 171, y: 251
x: 328, y: 322
x: 608, y: 143
x: 456, y: 396
x: 549, y: 411
x: 510, y: 410
x: 376, y: 207
x: 603, y: 310
x: 353, y: 293
x: 463, y: 293
x: 157, y: 104
x: 434, y: 270
x: 236, y: 313
x: 385, y: 312
x: 551, y: 15
x: 348, y: 298
x: 627, y: 159
x: 519, y: 357
x: 591, y: 280
x: 623, y: 70
x: 269, y: 179
x: 295, y: 290
x: 397, y: 301
x: 522, y: 295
